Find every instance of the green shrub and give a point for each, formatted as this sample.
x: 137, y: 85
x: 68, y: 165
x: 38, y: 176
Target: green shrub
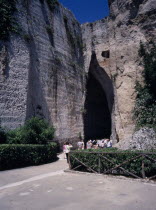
x: 35, y: 131
x: 49, y: 29
x: 50, y: 32
x: 52, y: 4
x: 8, y: 22
x: 148, y: 55
x: 145, y: 106
x: 16, y: 156
x: 2, y: 136
x: 70, y: 35
x: 14, y: 136
x: 114, y: 158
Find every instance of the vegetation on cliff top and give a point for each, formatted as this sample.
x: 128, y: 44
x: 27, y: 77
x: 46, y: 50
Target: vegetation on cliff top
x: 52, y: 4
x: 8, y: 21
x: 145, y: 107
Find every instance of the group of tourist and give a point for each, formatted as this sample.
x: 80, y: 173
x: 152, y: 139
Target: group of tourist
x: 91, y: 144
x: 95, y: 144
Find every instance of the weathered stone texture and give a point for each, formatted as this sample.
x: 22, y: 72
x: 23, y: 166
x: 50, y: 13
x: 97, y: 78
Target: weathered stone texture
x: 42, y: 71
x: 44, y: 74
x: 116, y: 42
x: 143, y: 139
x: 13, y: 83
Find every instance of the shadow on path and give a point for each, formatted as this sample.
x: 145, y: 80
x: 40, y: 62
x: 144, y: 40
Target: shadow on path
x: 28, y: 174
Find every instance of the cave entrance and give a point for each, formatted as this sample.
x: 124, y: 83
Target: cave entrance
x: 98, y: 103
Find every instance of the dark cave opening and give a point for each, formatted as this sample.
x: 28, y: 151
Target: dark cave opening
x: 97, y: 117
x: 99, y: 102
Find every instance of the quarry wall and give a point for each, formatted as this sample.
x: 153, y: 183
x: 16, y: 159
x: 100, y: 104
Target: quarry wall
x: 44, y: 68
x: 116, y: 41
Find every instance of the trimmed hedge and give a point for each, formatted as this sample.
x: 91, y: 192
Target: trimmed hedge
x: 17, y: 156
x: 91, y: 159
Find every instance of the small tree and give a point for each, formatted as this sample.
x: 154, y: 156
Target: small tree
x: 35, y: 131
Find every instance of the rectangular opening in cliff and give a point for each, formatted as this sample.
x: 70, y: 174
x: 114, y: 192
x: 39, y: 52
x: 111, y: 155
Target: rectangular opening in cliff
x: 98, y: 103
x: 105, y: 54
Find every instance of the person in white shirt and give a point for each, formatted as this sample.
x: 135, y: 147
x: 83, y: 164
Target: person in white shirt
x: 102, y: 145
x: 64, y: 150
x: 109, y: 143
x: 89, y: 144
x: 99, y: 143
x: 67, y: 148
x: 105, y: 143
x: 80, y: 145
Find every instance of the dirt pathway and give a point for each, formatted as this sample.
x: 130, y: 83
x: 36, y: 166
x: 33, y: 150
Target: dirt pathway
x: 19, y: 175
x: 48, y: 187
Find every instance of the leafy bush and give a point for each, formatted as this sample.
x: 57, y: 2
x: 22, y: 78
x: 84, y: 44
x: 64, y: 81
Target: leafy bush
x: 148, y: 56
x: 52, y: 4
x: 14, y: 136
x: 2, y: 136
x: 91, y: 159
x: 50, y: 32
x: 145, y: 106
x: 16, y: 156
x: 35, y: 131
x: 7, y: 23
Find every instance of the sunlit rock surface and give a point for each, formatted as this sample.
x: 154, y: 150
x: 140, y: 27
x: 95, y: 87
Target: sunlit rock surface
x: 116, y: 41
x: 42, y: 72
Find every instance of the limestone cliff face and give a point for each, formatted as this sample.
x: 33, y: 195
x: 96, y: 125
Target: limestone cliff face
x: 41, y: 69
x: 115, y: 41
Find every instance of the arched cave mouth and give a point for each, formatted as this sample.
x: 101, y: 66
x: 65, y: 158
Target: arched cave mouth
x: 98, y: 103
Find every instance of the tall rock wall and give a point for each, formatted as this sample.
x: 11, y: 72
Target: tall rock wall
x: 42, y: 72
x: 41, y: 69
x: 115, y: 41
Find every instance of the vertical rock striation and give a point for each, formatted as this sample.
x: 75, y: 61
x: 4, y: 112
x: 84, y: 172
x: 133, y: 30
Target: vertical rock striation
x: 42, y: 69
x: 116, y: 41
x: 42, y: 72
